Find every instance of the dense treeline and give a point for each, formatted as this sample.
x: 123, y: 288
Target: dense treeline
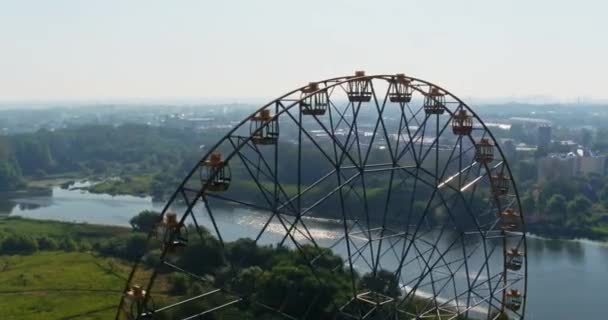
x: 101, y: 148
x: 573, y: 207
x: 10, y: 171
x: 98, y: 150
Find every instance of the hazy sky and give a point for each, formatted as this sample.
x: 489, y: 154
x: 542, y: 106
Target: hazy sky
x: 77, y: 49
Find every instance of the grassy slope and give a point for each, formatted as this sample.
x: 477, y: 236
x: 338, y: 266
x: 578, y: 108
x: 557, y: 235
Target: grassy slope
x: 56, y: 229
x: 59, y: 285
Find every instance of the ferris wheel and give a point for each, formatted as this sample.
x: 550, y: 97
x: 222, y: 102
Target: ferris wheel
x: 387, y: 181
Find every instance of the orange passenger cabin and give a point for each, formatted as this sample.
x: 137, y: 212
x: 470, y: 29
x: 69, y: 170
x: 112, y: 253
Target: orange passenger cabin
x: 359, y: 90
x: 513, y: 299
x: 172, y: 233
x: 501, y: 184
x: 462, y: 123
x: 401, y: 90
x: 264, y: 128
x: 434, y: 102
x: 484, y: 151
x: 317, y: 101
x: 509, y: 220
x: 215, y: 173
x: 515, y: 259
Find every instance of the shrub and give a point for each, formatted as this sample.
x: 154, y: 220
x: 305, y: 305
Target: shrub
x: 46, y: 243
x: 18, y: 244
x: 151, y: 259
x: 179, y: 284
x: 84, y: 246
x: 113, y: 247
x: 145, y: 221
x: 68, y: 245
x: 135, y: 246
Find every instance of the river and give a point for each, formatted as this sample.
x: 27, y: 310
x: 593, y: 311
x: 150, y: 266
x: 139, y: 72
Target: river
x: 566, y: 279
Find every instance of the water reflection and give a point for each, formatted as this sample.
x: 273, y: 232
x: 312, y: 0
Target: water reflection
x: 574, y: 249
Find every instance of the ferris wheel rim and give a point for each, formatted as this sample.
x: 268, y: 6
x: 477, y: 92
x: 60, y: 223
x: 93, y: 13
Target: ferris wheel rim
x: 329, y: 84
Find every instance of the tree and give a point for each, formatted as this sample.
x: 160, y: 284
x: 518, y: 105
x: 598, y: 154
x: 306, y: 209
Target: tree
x: 247, y: 280
x: 145, y: 221
x: 33, y: 154
x: 85, y: 246
x: 557, y: 205
x: 296, y: 290
x: 19, y: 244
x: 245, y: 252
x: 10, y: 173
x: 179, y: 284
x: 135, y: 246
x: 202, y: 256
x: 604, y: 196
x: 10, y: 177
x: 46, y: 243
x: 68, y: 245
x: 580, y: 205
x: 527, y: 171
x: 384, y: 282
x: 528, y: 204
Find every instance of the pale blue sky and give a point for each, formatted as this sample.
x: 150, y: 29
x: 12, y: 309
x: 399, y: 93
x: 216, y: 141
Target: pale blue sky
x: 71, y: 49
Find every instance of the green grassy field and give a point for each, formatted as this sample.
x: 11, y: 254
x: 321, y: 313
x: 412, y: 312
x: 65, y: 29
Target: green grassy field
x: 56, y: 229
x: 60, y: 285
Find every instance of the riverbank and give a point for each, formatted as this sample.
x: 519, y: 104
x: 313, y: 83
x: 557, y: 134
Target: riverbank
x: 42, y: 187
x: 559, y: 232
x: 141, y: 186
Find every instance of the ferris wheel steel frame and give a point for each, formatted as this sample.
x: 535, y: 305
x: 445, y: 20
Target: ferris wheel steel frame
x: 468, y: 176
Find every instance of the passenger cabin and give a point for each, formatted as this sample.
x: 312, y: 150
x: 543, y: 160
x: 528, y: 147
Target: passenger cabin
x: 136, y: 297
x: 215, y: 173
x: 513, y: 300
x: 462, y: 123
x: 434, y: 102
x: 135, y: 294
x: 515, y: 259
x: 501, y: 184
x: 509, y: 219
x: 264, y: 128
x: 400, y: 91
x: 484, y: 151
x: 315, y: 104
x: 359, y: 90
x: 173, y: 235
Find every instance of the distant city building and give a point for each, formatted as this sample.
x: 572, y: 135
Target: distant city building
x: 586, y: 137
x: 525, y: 148
x: 579, y: 163
x: 589, y: 162
x: 187, y: 122
x: 569, y: 145
x: 544, y: 136
x: 528, y: 129
x: 556, y: 166
x: 529, y: 121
